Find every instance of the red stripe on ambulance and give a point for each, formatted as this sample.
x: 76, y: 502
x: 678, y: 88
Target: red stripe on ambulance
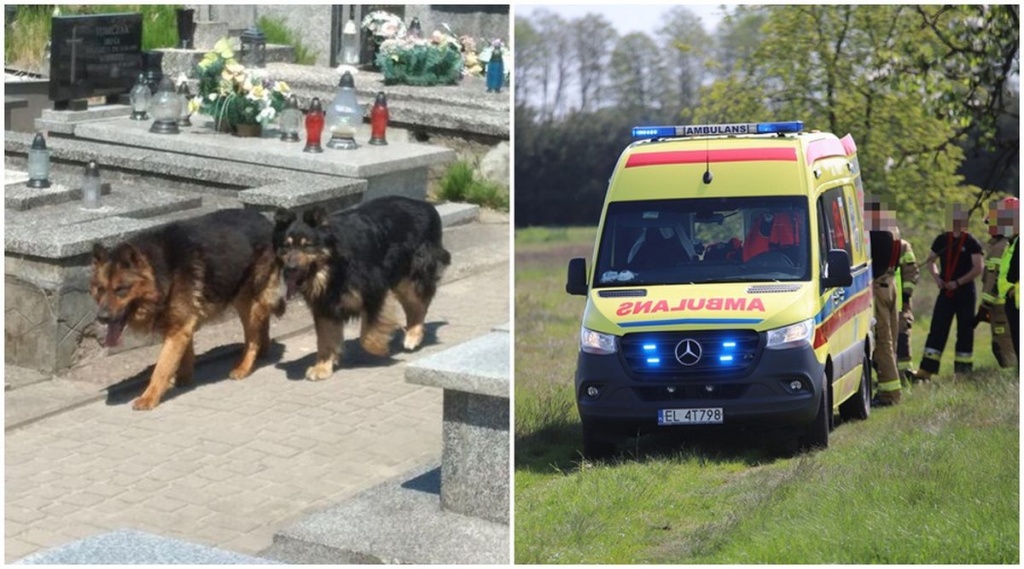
x: 702, y: 156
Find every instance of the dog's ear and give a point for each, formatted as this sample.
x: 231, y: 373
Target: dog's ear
x: 99, y: 254
x: 283, y: 217
x: 315, y: 217
x: 128, y: 257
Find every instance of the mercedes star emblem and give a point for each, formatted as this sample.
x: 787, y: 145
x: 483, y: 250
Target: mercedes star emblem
x: 688, y: 352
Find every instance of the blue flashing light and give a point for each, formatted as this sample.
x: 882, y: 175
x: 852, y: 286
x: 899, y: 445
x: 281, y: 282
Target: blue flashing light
x: 650, y: 132
x: 654, y: 361
x: 648, y: 347
x: 725, y: 359
x: 728, y: 344
x: 778, y: 127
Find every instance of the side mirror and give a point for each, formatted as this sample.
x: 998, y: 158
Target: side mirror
x: 837, y: 271
x: 576, y: 279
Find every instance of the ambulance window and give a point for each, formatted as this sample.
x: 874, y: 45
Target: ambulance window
x: 836, y: 221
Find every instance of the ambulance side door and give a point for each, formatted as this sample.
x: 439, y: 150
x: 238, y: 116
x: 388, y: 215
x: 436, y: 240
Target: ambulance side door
x: 834, y: 221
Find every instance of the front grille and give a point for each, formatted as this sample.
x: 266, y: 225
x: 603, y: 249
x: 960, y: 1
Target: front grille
x: 723, y: 354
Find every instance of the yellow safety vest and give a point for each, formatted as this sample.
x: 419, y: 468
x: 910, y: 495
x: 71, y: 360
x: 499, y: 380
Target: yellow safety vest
x: 1004, y: 269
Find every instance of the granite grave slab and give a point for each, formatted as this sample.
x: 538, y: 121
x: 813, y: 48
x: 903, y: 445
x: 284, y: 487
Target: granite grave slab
x: 133, y: 547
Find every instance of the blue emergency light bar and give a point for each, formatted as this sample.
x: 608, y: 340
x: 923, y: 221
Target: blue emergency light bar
x: 646, y: 132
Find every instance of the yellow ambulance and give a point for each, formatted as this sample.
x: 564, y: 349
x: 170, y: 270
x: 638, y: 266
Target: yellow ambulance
x: 730, y: 285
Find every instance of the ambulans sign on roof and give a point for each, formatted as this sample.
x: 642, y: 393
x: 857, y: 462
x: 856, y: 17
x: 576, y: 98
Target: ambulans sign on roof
x: 645, y: 132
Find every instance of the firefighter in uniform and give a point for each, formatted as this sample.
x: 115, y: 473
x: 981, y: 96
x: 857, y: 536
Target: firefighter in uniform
x: 992, y: 309
x: 907, y: 274
x: 960, y: 261
x: 884, y: 258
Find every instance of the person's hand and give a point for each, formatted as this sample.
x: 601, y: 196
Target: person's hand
x: 951, y: 285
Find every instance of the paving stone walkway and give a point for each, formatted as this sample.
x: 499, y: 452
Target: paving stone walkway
x: 227, y: 463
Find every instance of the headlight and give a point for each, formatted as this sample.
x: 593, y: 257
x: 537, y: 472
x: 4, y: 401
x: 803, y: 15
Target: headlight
x: 792, y: 336
x: 593, y: 342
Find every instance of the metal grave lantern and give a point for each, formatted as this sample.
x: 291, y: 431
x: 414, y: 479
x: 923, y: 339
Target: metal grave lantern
x: 139, y: 97
x: 379, y: 120
x: 344, y: 115
x: 38, y: 163
x: 253, y: 52
x: 91, y: 186
x: 314, y: 126
x: 291, y: 120
x: 166, y: 107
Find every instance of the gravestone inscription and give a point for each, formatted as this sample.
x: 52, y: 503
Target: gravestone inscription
x: 93, y: 55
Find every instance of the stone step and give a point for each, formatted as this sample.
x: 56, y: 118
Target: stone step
x: 399, y: 521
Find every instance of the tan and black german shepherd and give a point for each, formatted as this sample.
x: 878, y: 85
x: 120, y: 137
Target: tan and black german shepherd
x: 171, y: 280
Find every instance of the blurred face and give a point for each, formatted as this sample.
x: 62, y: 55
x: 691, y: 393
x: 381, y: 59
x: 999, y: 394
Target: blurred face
x: 956, y: 218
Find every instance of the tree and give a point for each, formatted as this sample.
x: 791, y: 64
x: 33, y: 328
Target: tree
x: 529, y: 58
x: 637, y: 74
x: 592, y: 37
x: 687, y: 47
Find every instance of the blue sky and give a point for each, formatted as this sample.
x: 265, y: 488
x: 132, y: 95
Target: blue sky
x: 628, y: 17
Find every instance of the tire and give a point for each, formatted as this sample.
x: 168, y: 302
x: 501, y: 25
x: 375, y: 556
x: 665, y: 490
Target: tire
x: 816, y: 434
x: 858, y: 407
x: 595, y: 446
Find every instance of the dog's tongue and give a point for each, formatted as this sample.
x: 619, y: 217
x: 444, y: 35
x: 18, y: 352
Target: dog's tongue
x: 114, y: 329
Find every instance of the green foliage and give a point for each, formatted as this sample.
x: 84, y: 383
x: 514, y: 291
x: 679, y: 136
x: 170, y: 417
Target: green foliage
x: 420, y: 64
x: 901, y: 487
x: 27, y: 33
x: 279, y: 34
x: 462, y: 184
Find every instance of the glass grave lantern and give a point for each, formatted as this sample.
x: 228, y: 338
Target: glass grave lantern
x: 185, y: 116
x: 379, y: 120
x: 38, y: 163
x: 344, y: 115
x: 139, y: 97
x: 314, y: 126
x: 253, y: 51
x: 166, y: 107
x: 91, y: 186
x: 350, y: 43
x: 291, y: 120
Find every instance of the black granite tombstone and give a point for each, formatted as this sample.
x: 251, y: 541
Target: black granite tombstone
x: 94, y: 55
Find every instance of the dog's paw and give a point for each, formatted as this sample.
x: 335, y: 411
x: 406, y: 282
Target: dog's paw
x: 239, y: 373
x: 145, y: 403
x: 413, y: 338
x: 319, y: 372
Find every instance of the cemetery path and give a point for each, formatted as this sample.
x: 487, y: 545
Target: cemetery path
x: 227, y: 463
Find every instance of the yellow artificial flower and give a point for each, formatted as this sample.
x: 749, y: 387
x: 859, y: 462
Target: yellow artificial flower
x: 223, y: 49
x: 282, y: 87
x: 257, y: 91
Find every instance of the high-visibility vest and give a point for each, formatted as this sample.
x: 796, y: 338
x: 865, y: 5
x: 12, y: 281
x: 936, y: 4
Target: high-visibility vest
x: 994, y: 285
x: 1004, y: 269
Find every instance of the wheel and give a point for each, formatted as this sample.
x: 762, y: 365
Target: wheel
x: 595, y: 446
x: 858, y: 407
x: 816, y: 435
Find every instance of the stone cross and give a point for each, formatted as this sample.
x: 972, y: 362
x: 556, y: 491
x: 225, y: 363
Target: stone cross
x: 73, y: 42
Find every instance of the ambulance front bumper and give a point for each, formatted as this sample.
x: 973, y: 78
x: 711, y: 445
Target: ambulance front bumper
x: 783, y: 389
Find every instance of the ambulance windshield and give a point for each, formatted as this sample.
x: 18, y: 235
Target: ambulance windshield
x: 704, y: 240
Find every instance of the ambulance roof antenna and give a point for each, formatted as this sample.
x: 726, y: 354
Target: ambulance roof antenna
x: 707, y: 162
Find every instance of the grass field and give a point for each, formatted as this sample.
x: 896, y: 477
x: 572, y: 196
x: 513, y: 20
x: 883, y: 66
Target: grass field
x: 933, y: 480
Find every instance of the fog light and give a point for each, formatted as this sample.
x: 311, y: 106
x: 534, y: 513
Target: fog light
x: 670, y: 389
x: 593, y: 392
x: 796, y: 385
x: 709, y: 388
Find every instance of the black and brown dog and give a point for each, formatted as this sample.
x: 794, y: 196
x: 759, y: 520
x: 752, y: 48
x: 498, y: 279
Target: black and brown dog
x: 173, y: 279
x: 346, y: 263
